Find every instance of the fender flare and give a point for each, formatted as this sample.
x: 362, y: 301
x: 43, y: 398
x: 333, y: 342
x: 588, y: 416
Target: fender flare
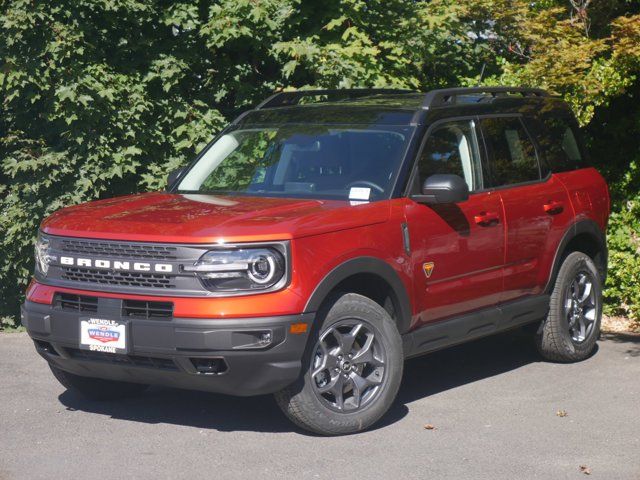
x: 360, y: 265
x: 588, y: 227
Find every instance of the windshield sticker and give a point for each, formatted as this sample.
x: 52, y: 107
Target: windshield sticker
x: 359, y: 193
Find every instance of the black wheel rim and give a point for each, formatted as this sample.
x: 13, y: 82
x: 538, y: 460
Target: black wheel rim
x: 349, y: 366
x: 581, y: 306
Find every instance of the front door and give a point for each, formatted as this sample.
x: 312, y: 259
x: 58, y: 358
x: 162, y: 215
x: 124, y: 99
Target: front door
x: 457, y: 249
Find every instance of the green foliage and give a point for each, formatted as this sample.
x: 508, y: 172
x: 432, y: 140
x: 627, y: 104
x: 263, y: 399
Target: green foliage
x: 238, y: 168
x: 103, y: 98
x: 614, y: 137
x: 623, y: 292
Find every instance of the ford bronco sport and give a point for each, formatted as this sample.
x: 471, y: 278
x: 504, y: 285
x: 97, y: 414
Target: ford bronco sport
x: 320, y: 240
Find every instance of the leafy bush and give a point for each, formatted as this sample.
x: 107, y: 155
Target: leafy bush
x: 103, y: 98
x: 614, y: 137
x: 622, y: 295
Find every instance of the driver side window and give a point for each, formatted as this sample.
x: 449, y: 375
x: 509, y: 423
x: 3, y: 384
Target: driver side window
x: 452, y: 148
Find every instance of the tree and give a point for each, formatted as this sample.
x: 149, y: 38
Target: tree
x: 103, y: 98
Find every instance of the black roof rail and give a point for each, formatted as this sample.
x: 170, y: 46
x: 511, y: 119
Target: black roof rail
x: 448, y: 96
x: 285, y: 99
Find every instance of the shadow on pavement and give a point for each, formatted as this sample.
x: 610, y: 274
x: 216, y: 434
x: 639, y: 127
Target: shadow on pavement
x: 471, y: 362
x: 424, y: 376
x: 632, y: 341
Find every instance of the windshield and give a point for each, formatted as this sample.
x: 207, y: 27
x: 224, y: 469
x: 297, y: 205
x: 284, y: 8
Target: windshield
x: 309, y: 161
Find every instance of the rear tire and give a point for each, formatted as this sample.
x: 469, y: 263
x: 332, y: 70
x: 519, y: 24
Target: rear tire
x: 97, y: 388
x: 572, y: 327
x: 351, y: 371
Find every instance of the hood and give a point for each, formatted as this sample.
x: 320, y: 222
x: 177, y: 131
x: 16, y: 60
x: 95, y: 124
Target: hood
x: 179, y: 218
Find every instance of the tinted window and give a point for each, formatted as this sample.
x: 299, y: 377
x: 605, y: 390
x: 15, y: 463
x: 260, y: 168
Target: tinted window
x: 452, y: 148
x: 512, y: 153
x: 556, y: 134
x: 309, y: 161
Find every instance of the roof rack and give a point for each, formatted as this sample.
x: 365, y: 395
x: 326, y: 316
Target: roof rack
x: 448, y: 96
x: 285, y: 99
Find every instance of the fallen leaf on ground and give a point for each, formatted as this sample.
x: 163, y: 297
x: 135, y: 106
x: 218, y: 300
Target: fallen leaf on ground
x: 562, y: 413
x: 428, y: 426
x: 584, y: 469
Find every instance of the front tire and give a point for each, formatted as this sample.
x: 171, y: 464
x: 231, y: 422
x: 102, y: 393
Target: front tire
x: 351, y: 371
x: 97, y: 388
x: 572, y: 327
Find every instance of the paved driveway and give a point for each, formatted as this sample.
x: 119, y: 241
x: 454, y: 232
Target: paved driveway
x: 493, y: 405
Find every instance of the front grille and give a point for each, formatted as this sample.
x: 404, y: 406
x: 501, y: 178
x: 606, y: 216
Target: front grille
x: 108, y: 277
x: 120, y: 250
x: 145, y: 309
x: 130, y: 360
x: 76, y: 303
x: 122, y: 267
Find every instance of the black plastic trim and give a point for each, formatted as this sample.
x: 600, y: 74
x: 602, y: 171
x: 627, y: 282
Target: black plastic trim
x: 361, y: 265
x: 488, y: 321
x: 289, y: 98
x: 448, y: 96
x: 582, y: 226
x: 153, y: 344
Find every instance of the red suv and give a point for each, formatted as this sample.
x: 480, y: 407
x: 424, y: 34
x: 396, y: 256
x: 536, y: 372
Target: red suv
x: 320, y: 240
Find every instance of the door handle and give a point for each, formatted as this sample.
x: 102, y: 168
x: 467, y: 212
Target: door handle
x: 486, y: 219
x: 553, y: 207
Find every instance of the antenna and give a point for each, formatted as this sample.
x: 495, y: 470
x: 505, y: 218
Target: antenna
x: 484, y: 65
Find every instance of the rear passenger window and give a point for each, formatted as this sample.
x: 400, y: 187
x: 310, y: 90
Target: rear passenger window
x: 512, y: 153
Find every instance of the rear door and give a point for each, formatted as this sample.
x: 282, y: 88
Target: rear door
x: 537, y: 210
x: 457, y: 249
x: 559, y: 136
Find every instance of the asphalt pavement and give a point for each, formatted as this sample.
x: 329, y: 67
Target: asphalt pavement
x: 496, y: 411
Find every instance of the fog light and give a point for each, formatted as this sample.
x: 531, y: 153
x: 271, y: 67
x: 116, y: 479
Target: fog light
x: 252, y: 339
x: 265, y: 339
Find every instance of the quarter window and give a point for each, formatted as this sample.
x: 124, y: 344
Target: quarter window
x: 512, y: 153
x: 559, y: 144
x: 452, y: 148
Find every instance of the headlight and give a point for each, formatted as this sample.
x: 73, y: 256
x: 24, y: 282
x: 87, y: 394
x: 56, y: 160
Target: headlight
x: 246, y: 269
x: 42, y: 255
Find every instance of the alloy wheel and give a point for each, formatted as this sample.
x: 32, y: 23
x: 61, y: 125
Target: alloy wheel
x: 348, y: 368
x: 580, y: 306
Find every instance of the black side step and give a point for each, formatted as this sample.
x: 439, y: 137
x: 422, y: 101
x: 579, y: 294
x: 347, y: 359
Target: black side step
x: 470, y: 326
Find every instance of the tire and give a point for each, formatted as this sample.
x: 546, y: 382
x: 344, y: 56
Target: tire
x: 352, y: 369
x: 572, y: 327
x: 97, y: 388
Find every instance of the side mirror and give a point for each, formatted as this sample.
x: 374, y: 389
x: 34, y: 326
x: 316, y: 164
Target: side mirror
x: 174, y: 176
x: 441, y: 188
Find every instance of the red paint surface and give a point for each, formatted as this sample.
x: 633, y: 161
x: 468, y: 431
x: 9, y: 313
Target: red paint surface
x: 476, y: 263
x: 165, y: 217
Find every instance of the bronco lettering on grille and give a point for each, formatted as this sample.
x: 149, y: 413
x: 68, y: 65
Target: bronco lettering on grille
x: 117, y: 265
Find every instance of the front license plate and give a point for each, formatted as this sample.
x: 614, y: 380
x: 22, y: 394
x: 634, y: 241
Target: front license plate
x: 103, y: 335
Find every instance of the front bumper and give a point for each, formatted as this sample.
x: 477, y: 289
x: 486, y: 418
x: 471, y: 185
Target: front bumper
x: 195, y: 354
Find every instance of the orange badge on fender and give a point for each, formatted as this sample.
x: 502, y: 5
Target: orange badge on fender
x: 428, y: 268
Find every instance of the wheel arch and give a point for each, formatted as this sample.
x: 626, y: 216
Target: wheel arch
x: 371, y: 277
x: 584, y: 236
